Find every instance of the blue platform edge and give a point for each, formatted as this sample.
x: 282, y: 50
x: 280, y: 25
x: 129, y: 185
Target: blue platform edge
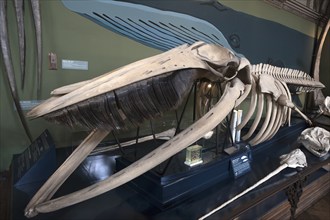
x: 166, y: 191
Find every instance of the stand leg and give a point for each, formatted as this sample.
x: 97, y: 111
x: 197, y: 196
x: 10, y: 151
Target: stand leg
x: 294, y: 193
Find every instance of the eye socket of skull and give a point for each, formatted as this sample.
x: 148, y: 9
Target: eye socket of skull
x: 230, y: 71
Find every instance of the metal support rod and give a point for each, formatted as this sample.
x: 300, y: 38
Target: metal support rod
x: 228, y: 126
x: 184, y: 109
x: 118, y: 142
x: 217, y: 128
x: 136, y: 140
x: 178, y: 128
x: 195, y: 100
x: 152, y: 130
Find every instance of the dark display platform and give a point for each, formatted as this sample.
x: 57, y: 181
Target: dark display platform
x: 216, y: 187
x: 173, y: 181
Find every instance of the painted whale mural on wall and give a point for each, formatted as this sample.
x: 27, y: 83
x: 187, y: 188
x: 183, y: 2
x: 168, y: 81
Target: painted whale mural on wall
x: 164, y: 24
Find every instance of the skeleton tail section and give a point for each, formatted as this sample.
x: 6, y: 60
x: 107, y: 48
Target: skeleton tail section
x: 129, y: 105
x: 298, y: 81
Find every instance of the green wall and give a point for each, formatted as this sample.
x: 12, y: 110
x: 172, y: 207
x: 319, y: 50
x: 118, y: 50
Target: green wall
x: 71, y: 36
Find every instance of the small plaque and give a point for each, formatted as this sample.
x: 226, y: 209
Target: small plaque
x: 193, y: 155
x: 75, y: 64
x: 240, y: 164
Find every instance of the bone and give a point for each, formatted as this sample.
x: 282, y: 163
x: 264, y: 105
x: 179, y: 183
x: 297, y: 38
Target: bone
x: 318, y: 95
x: 253, y: 69
x: 265, y: 124
x: 257, y: 69
x: 272, y: 70
x: 69, y: 88
x: 190, y: 135
x: 294, y: 159
x: 175, y: 59
x: 316, y: 69
x: 283, y: 100
x: 295, y: 73
x: 19, y: 5
x: 276, y: 72
x: 288, y: 94
x: 37, y: 23
x: 267, y: 69
x: 325, y: 106
x: 263, y: 68
x: 65, y: 170
x: 165, y: 135
x: 252, y: 106
x: 284, y: 72
x: 246, y: 77
x: 9, y: 69
x: 278, y: 122
x: 257, y: 117
x: 281, y: 73
x: 316, y: 140
x: 270, y: 125
x: 267, y: 85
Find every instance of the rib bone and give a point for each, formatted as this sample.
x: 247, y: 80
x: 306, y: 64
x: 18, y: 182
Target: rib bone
x: 278, y: 122
x: 270, y: 125
x: 252, y: 107
x: 266, y: 121
x: 288, y: 94
x: 257, y: 118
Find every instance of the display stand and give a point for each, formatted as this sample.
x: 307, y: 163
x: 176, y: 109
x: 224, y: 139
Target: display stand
x: 182, y: 182
x: 127, y: 202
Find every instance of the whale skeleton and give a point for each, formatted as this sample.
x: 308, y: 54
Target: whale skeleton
x: 144, y: 90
